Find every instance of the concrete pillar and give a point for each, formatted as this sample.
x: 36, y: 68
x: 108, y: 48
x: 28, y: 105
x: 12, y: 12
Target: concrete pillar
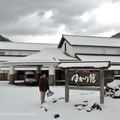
x: 12, y: 74
x: 51, y: 75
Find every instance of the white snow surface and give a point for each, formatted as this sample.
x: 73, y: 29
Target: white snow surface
x: 23, y: 103
x: 83, y: 64
x: 113, y: 85
x: 99, y: 58
x: 114, y: 67
x: 25, y: 46
x: 47, y: 55
x: 92, y: 41
x: 6, y: 58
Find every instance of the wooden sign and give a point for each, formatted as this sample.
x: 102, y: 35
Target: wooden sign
x: 84, y: 78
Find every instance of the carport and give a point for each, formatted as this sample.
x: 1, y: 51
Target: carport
x: 46, y: 58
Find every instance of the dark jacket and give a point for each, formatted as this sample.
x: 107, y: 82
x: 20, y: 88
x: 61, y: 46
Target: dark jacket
x: 43, y: 84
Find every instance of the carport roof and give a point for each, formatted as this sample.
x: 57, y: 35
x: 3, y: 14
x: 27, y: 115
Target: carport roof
x: 6, y: 58
x: 45, y: 57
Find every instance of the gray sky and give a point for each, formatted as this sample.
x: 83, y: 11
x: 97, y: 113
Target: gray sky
x: 46, y: 20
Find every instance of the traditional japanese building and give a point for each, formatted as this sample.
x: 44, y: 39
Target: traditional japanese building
x: 71, y: 49
x: 17, y: 50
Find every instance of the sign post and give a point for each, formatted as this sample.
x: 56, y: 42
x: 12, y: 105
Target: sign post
x: 66, y: 85
x: 101, y: 86
x: 78, y: 78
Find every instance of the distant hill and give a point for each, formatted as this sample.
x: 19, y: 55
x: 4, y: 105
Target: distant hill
x: 117, y: 35
x: 3, y: 39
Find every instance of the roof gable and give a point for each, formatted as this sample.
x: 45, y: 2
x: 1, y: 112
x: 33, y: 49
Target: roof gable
x: 76, y: 40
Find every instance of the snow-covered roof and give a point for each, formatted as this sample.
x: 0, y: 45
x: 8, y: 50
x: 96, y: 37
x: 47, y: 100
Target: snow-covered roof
x: 89, y: 41
x: 6, y: 58
x: 50, y: 55
x: 85, y: 65
x: 25, y: 46
x: 115, y: 67
x: 24, y: 69
x: 99, y: 58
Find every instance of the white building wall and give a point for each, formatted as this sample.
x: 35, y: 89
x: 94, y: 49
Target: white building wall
x: 63, y: 47
x: 69, y: 49
x: 96, y: 50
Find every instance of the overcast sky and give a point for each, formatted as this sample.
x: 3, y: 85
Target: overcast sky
x: 46, y: 20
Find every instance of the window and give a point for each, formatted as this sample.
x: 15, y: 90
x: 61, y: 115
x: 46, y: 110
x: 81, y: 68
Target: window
x: 2, y: 53
x: 10, y: 52
x: 65, y: 47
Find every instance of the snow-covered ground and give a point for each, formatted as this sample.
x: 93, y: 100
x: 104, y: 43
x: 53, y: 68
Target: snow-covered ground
x: 23, y: 103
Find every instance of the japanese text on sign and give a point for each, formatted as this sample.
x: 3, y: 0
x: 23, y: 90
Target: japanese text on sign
x: 91, y: 78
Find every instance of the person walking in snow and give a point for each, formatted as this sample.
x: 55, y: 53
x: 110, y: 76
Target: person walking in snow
x: 43, y: 87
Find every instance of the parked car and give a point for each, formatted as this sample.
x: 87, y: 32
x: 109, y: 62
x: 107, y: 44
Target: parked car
x: 29, y: 77
x: 113, y: 88
x: 117, y: 79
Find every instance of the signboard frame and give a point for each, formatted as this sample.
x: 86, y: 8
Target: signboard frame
x: 98, y: 65
x: 101, y: 88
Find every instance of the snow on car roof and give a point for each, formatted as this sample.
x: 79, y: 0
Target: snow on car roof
x: 116, y: 75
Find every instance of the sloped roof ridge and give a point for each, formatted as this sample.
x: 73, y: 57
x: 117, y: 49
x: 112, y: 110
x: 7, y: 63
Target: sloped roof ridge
x: 29, y: 43
x: 76, y: 35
